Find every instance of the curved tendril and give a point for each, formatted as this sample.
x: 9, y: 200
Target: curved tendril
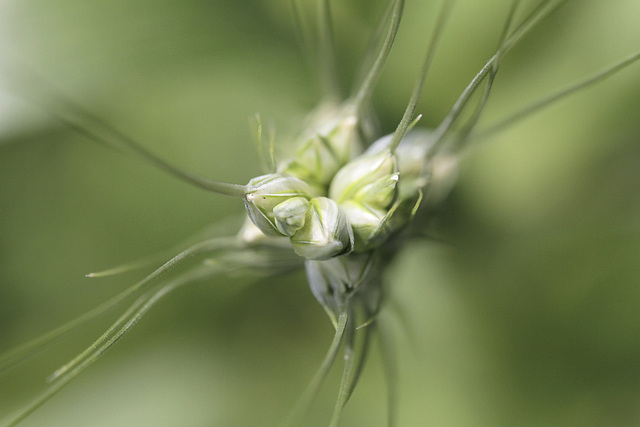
x: 557, y: 96
x: 366, y: 88
x: 312, y: 389
x: 408, y: 116
x: 94, y: 352
x: 27, y: 350
x: 544, y: 9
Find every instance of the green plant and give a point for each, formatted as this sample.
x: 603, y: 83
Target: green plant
x: 230, y: 254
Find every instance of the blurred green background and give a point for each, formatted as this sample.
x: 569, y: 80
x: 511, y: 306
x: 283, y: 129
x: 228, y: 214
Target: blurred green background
x: 527, y: 315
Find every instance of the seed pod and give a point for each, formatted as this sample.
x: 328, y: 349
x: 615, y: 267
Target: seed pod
x: 361, y: 178
x: 326, y: 232
x: 266, y: 192
x: 290, y: 215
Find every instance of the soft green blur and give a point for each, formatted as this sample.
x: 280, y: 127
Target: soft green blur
x: 522, y: 311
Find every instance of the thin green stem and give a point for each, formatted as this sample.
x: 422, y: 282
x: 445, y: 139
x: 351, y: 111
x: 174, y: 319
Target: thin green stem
x: 23, y: 352
x: 390, y: 374
x: 299, y: 26
x: 356, y: 349
x: 84, y: 122
x: 557, y: 96
x: 114, y: 138
x: 366, y: 89
x: 347, y: 372
x: 471, y: 123
x: 408, y: 116
x: 544, y: 9
x: 361, y: 357
x: 312, y: 389
x: 145, y: 304
x: 372, y: 45
x: 327, y: 57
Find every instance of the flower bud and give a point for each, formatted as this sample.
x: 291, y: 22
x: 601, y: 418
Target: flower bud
x: 356, y: 280
x: 368, y: 178
x: 266, y: 192
x: 314, y: 162
x: 326, y: 232
x: 290, y: 215
x: 412, y: 160
x: 343, y: 138
x: 325, y: 151
x: 380, y: 192
x: 369, y: 224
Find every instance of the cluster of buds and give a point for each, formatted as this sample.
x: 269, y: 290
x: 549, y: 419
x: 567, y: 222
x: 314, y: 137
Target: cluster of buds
x: 283, y: 205
x: 323, y: 150
x: 365, y: 189
x: 330, y: 199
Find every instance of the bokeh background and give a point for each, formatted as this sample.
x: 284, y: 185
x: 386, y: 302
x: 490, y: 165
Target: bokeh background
x: 523, y: 312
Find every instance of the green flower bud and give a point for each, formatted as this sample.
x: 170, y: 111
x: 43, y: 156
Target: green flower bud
x: 356, y: 280
x: 369, y: 224
x: 314, y: 162
x: 325, y: 151
x: 343, y: 138
x: 266, y: 192
x: 362, y: 179
x: 290, y: 215
x: 412, y: 159
x: 380, y: 192
x: 326, y: 232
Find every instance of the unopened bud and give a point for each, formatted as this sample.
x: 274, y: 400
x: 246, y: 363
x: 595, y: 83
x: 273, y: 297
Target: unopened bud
x: 343, y: 138
x: 325, y: 151
x: 290, y: 215
x: 326, y: 232
x: 379, y: 193
x: 266, y: 192
x: 361, y: 178
x: 368, y: 223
